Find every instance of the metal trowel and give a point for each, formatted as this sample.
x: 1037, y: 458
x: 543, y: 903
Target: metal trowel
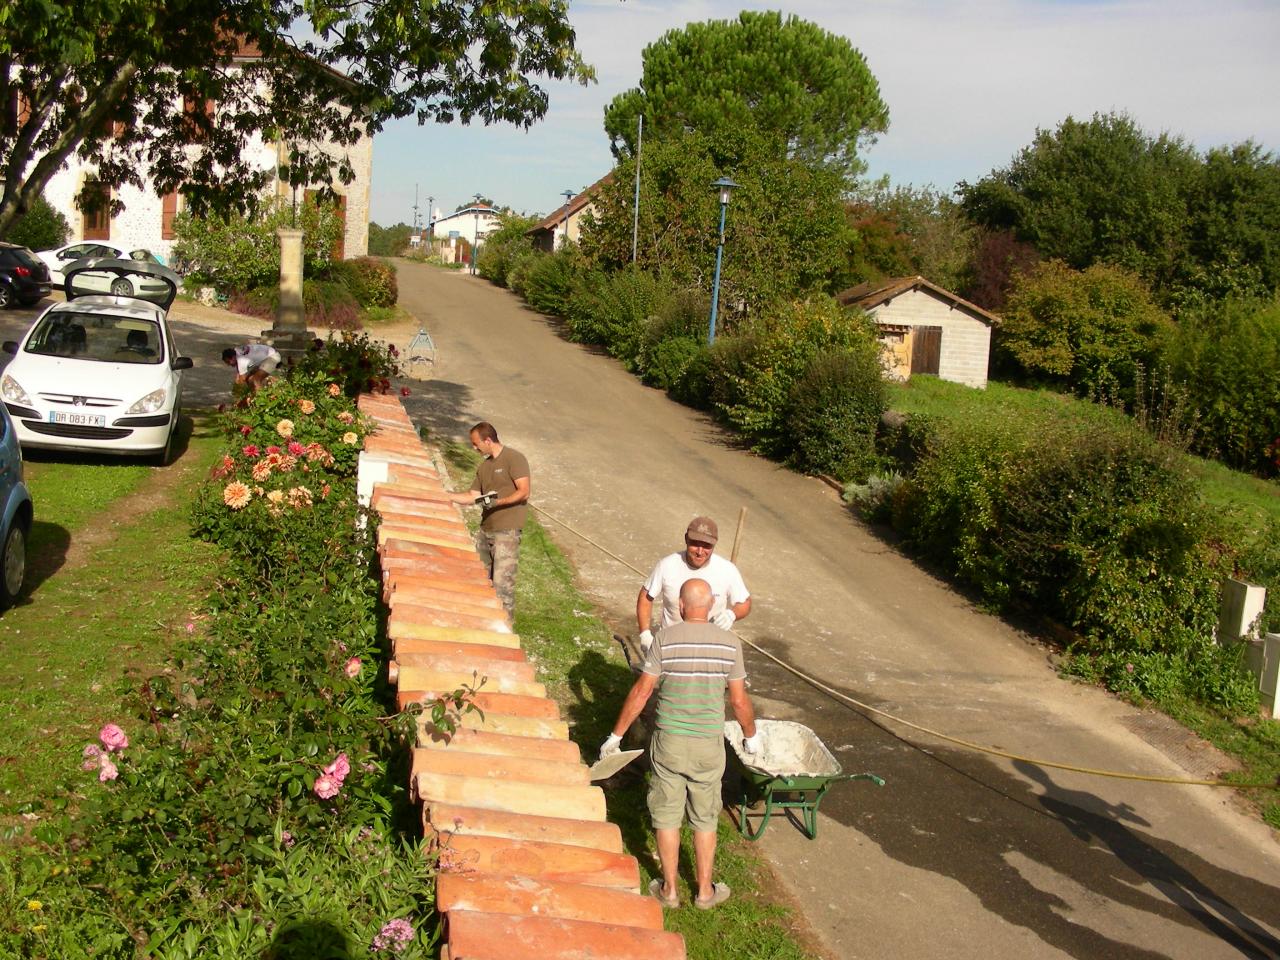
x: 608, y: 766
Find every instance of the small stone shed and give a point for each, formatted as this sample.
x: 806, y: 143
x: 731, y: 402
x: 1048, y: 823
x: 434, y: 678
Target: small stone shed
x: 927, y: 329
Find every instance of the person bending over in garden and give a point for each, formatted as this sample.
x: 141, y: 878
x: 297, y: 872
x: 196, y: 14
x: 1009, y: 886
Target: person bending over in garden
x: 690, y: 663
x: 501, y: 490
x: 254, y: 363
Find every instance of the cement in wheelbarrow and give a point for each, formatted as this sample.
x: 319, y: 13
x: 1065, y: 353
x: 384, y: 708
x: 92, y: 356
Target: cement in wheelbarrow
x: 793, y: 771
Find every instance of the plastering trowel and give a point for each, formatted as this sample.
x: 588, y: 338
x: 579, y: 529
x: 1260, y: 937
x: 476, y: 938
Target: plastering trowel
x: 606, y: 767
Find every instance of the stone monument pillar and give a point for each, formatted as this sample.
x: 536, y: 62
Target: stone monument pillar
x: 289, y: 333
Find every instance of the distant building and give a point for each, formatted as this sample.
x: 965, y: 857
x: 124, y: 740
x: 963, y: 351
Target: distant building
x: 566, y: 220
x: 927, y: 329
x: 466, y: 223
x: 146, y: 219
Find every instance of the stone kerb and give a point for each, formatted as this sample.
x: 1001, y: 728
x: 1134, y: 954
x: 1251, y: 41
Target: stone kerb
x: 529, y: 865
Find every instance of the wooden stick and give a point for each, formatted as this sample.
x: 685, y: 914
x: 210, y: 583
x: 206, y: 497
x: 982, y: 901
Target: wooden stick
x: 737, y: 535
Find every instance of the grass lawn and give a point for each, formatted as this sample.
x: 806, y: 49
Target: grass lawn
x: 92, y: 615
x: 586, y: 674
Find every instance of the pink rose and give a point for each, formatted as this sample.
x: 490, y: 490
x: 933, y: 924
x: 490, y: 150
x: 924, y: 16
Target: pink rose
x: 113, y: 738
x: 327, y: 787
x: 339, y: 769
x: 353, y: 667
x: 108, y: 771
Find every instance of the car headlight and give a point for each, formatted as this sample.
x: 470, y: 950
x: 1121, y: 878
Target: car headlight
x: 12, y: 391
x: 152, y: 402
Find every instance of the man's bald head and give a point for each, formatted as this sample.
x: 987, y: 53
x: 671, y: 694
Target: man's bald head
x: 695, y: 600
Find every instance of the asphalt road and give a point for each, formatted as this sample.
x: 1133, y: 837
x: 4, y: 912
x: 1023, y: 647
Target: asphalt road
x: 960, y: 854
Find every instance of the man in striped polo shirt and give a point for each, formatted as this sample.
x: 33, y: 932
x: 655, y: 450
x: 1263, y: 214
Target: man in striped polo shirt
x: 690, y: 664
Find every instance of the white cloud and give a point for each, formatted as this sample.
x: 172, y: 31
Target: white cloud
x: 967, y: 85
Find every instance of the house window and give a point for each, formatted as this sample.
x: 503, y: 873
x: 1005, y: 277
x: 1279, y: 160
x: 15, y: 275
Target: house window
x: 95, y: 211
x: 168, y: 210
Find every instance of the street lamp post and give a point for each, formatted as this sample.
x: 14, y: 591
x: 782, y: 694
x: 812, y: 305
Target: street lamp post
x: 564, y: 240
x: 475, y: 236
x: 726, y: 187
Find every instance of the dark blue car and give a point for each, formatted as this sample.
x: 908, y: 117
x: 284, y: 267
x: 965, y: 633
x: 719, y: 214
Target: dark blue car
x: 15, y: 500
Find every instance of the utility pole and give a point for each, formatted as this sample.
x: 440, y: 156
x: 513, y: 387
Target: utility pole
x: 431, y: 216
x: 635, y: 222
x: 416, y: 232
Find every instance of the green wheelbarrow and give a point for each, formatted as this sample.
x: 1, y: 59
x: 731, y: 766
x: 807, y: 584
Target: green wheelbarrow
x: 793, y: 771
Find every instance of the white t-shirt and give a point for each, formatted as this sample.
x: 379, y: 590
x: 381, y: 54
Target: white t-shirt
x: 671, y: 573
x: 251, y: 356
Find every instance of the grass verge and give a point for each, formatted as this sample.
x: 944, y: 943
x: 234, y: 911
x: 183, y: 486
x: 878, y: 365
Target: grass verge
x: 585, y: 673
x: 85, y: 627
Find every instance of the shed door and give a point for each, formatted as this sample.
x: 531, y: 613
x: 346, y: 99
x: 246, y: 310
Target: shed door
x: 926, y: 349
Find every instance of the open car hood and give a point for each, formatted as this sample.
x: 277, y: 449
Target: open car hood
x: 149, y: 281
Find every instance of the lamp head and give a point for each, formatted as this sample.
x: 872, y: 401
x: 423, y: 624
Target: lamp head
x: 726, y: 187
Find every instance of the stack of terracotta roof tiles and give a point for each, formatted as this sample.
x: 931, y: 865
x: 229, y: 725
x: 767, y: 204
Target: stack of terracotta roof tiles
x: 529, y: 866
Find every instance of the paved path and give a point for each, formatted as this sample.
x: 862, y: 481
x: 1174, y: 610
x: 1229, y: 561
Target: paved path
x: 960, y: 855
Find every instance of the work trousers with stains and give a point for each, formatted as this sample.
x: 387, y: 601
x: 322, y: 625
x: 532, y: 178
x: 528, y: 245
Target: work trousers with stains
x: 500, y: 552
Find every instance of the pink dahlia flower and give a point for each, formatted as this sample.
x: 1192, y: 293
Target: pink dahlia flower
x: 113, y: 738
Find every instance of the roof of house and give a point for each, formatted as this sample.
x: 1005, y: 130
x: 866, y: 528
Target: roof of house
x: 875, y: 293
x: 473, y: 210
x: 552, y: 220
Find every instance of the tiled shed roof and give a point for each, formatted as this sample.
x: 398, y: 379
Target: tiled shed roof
x: 867, y: 296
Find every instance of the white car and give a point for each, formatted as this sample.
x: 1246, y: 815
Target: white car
x: 60, y: 259
x: 100, y: 373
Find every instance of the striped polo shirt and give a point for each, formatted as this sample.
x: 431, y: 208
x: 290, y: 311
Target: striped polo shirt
x: 693, y: 663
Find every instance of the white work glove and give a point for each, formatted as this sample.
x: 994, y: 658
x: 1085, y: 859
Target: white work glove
x: 752, y: 745
x: 646, y: 639
x: 725, y: 619
x: 611, y: 746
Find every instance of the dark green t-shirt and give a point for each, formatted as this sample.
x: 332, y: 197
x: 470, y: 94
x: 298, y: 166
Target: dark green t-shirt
x: 500, y: 474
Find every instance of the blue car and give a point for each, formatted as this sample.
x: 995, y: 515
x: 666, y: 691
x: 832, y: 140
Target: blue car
x: 15, y: 500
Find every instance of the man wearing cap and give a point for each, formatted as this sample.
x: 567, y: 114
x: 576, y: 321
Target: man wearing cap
x: 731, y: 600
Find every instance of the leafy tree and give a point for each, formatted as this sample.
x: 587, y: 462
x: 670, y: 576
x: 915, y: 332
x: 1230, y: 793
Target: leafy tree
x: 998, y: 257
x: 127, y: 85
x: 785, y: 230
x: 388, y: 241
x: 1233, y: 213
x: 1089, y: 330
x: 1225, y: 356
x: 909, y: 230
x: 41, y: 227
x: 807, y: 90
x: 1094, y: 191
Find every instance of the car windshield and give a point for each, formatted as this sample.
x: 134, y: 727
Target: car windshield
x: 100, y: 337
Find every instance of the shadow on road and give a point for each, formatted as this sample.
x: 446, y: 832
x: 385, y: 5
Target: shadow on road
x: 1005, y: 842
x: 442, y: 407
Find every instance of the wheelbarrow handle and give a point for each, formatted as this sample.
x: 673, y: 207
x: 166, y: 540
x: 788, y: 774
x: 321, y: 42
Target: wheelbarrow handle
x: 878, y: 781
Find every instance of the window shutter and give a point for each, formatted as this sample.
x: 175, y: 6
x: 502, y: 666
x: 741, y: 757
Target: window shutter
x: 168, y: 209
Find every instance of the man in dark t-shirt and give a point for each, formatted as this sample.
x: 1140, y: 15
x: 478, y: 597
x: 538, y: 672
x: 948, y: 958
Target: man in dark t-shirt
x: 501, y: 490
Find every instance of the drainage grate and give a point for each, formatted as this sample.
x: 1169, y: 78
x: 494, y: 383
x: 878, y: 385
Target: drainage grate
x: 1198, y: 757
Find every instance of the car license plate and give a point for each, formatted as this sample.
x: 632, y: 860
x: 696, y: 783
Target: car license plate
x: 78, y: 419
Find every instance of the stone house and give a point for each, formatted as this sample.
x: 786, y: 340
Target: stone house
x: 926, y: 329
x: 146, y: 219
x: 566, y: 220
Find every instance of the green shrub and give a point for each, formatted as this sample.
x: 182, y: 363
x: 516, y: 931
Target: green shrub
x: 835, y: 410
x: 756, y: 377
x: 40, y: 228
x: 330, y: 304
x: 669, y: 360
x: 242, y: 252
x: 502, y: 247
x: 372, y: 282
x: 520, y: 266
x: 1225, y: 357
x: 875, y: 497
x: 693, y: 387
x: 613, y: 310
x: 354, y: 361
x: 551, y: 281
x: 1089, y: 330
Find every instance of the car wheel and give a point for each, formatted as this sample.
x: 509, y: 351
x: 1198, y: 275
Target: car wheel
x: 121, y: 288
x: 13, y: 564
x: 30, y: 302
x: 165, y: 456
x: 6, y: 297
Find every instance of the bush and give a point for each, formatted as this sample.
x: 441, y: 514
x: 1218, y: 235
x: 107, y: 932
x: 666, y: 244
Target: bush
x: 354, y: 361
x: 875, y: 497
x: 614, y: 310
x: 372, y: 282
x: 503, y: 247
x: 242, y: 252
x: 669, y: 360
x: 835, y: 410
x: 1225, y: 358
x: 1090, y: 330
x: 756, y: 376
x: 521, y: 265
x: 551, y: 279
x: 40, y: 228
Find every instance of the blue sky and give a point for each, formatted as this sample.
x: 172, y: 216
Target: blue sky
x: 967, y: 84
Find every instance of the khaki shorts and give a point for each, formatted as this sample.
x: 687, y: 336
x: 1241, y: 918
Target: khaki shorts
x: 685, y: 780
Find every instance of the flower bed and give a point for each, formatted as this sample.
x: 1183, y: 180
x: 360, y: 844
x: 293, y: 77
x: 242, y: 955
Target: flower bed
x: 253, y: 803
